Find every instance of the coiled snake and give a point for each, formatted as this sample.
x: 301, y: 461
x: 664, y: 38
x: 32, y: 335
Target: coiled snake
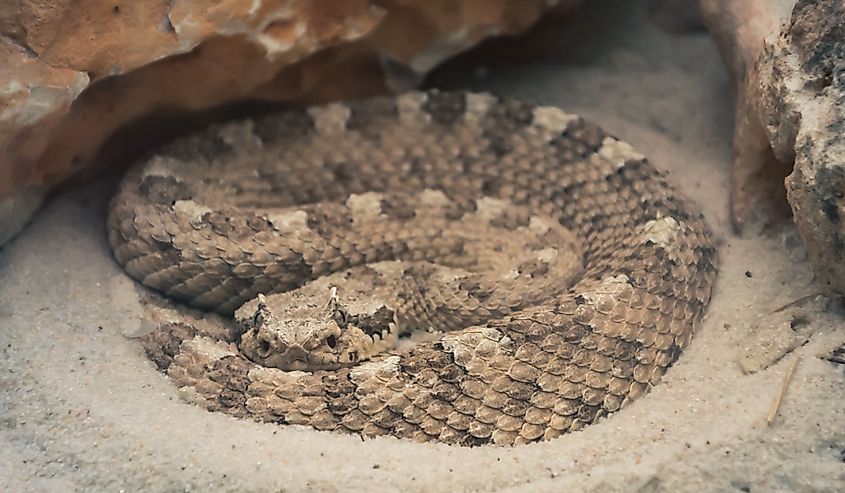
x: 566, y: 273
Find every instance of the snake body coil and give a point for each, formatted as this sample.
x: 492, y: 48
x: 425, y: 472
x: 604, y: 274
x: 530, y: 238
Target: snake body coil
x: 264, y: 206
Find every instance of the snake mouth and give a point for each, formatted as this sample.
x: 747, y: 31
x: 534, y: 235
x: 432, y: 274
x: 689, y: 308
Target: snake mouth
x: 292, y: 358
x: 267, y: 349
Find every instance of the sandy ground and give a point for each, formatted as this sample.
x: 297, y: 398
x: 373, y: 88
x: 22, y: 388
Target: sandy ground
x: 82, y: 409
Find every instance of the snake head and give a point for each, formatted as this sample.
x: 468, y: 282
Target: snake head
x: 304, y: 338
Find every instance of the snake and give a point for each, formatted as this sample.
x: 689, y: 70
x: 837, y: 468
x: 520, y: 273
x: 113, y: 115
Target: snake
x: 446, y: 266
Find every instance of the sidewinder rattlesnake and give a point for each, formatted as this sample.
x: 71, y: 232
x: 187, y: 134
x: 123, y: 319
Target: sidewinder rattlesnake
x: 568, y: 272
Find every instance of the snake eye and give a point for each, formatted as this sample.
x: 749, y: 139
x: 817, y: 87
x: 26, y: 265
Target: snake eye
x: 331, y: 341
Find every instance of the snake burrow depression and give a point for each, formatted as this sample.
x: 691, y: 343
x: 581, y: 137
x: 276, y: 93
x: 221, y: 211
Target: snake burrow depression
x: 560, y: 273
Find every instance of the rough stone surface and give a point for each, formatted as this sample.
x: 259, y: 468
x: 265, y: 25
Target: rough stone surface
x: 75, y: 76
x: 812, y: 51
x: 786, y: 58
x: 739, y: 29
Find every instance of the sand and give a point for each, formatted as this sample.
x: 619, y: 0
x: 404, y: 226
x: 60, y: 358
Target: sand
x: 82, y: 409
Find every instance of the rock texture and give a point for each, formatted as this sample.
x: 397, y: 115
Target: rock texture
x: 788, y: 61
x: 84, y: 85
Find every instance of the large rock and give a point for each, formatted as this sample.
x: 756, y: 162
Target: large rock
x: 77, y: 75
x: 788, y: 61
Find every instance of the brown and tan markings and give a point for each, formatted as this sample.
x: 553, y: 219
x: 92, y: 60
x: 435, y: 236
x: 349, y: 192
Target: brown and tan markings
x: 564, y: 271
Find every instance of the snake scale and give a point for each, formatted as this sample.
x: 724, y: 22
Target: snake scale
x: 598, y: 273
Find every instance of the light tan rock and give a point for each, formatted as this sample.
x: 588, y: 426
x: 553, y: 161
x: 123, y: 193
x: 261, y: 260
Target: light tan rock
x: 85, y: 85
x: 740, y: 29
x: 786, y: 58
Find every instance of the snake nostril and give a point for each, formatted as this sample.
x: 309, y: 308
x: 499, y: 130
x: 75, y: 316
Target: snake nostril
x: 331, y: 341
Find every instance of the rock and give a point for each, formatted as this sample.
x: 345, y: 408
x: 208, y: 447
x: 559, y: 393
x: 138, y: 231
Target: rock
x: 812, y: 52
x: 787, y: 59
x: 87, y: 86
x: 740, y: 29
